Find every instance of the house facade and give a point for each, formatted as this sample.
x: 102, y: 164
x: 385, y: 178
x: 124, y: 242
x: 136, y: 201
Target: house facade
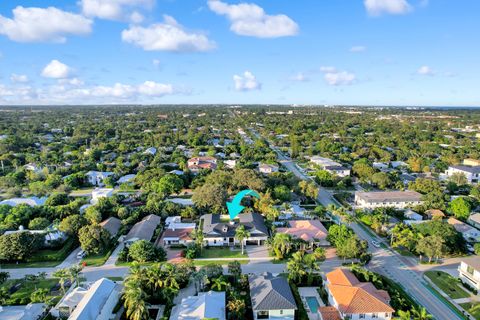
x: 96, y: 178
x: 271, y: 297
x: 472, y: 173
x: 469, y: 233
x: 474, y: 220
x: 202, y: 163
x: 469, y: 272
x: 394, y: 199
x: 219, y: 230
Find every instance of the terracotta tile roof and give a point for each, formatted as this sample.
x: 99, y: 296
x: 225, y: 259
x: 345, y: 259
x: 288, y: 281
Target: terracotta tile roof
x: 182, y: 234
x: 329, y: 313
x: 307, y: 230
x: 353, y: 296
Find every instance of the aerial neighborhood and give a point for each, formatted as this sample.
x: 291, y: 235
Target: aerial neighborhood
x: 122, y: 213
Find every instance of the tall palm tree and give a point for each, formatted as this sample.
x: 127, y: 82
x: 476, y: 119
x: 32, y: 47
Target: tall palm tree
x: 74, y: 273
x: 241, y: 234
x: 421, y: 314
x: 62, y: 275
x: 295, y: 267
x: 197, y: 234
x: 170, y: 276
x: 281, y: 244
x: 134, y: 301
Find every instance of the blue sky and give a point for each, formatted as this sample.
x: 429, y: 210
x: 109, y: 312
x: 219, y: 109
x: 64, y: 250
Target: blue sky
x: 373, y: 52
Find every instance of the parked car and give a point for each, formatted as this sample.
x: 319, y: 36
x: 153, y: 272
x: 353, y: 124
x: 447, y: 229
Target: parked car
x: 81, y: 254
x: 376, y: 244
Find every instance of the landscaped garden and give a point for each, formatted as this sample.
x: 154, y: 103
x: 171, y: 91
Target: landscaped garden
x: 212, y: 253
x: 448, y: 284
x: 24, y: 291
x: 472, y: 308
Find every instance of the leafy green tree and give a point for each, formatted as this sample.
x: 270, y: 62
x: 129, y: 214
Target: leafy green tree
x: 210, y: 197
x: 38, y: 223
x: 168, y: 184
x: 219, y: 283
x: 476, y: 247
x: 458, y: 178
x: 4, y: 276
x: 460, y: 207
x: 282, y: 193
x: 144, y: 251
x: 72, y: 224
x: 19, y: 245
x: 93, y: 239
x: 93, y: 215
x: 381, y: 180
x: 39, y: 296
x: 324, y: 178
x: 57, y: 199
x: 234, y: 268
x: 431, y: 246
x: 236, y: 307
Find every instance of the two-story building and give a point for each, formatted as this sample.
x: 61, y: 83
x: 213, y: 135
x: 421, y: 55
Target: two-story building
x: 383, y: 199
x: 469, y: 272
x: 355, y: 299
x: 472, y: 173
x: 219, y: 230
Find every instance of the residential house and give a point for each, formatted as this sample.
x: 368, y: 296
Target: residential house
x: 469, y: 272
x: 267, y: 168
x: 293, y: 211
x: 126, y: 179
x: 330, y: 166
x: 469, y: 233
x: 96, y: 178
x: 271, y: 297
x: 474, y: 220
x: 472, y: 173
x: 311, y: 231
x: 32, y: 201
x: 355, y: 299
x: 329, y: 313
x: 434, y: 214
x: 112, y: 225
x: 51, y: 235
x: 143, y: 230
x: 202, y: 163
x: 395, y: 199
x: 95, y: 303
x: 219, y: 230
x: 186, y: 202
x: 207, y: 305
x: 412, y: 215
x: 32, y: 311
x: 471, y: 162
x: 230, y: 164
x: 99, y: 193
x: 177, y: 232
x: 151, y: 151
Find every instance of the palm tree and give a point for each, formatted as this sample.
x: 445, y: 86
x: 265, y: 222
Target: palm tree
x: 74, y: 272
x: 169, y: 274
x: 62, y: 275
x: 241, y: 234
x: 154, y: 277
x: 219, y: 283
x: 197, y: 234
x: 134, y: 301
x: 281, y: 244
x: 295, y: 267
x: 404, y: 315
x: 319, y: 254
x: 4, y: 295
x: 421, y: 314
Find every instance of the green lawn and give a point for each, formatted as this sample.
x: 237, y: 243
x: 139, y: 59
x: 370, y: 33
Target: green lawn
x: 96, y: 260
x: 448, y: 284
x: 222, y: 253
x: 45, y: 257
x: 472, y: 308
x: 22, y: 296
x: 201, y: 263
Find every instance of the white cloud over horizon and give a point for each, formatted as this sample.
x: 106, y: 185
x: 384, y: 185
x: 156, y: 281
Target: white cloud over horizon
x: 248, y: 19
x: 425, y: 71
x: 43, y: 25
x: 246, y: 82
x: 167, y: 36
x: 335, y: 77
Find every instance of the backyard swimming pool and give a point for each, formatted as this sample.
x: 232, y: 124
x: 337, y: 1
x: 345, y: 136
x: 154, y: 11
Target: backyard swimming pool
x: 312, y: 304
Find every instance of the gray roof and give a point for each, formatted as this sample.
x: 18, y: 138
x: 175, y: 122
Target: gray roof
x: 270, y: 293
x: 94, y: 300
x: 474, y: 169
x: 213, y: 225
x: 112, y: 225
x: 389, y: 196
x: 144, y: 229
x: 474, y: 218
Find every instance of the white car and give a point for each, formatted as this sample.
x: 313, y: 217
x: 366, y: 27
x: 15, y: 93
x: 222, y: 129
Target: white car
x: 81, y: 254
x: 375, y: 244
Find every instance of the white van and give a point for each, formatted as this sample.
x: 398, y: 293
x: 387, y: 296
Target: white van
x: 81, y: 254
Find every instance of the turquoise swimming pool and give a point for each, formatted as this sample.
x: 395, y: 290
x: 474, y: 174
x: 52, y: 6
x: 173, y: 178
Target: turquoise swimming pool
x: 312, y: 304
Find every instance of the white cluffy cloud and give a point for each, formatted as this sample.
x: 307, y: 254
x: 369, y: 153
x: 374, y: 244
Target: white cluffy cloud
x: 18, y: 78
x: 379, y: 7
x: 248, y: 19
x: 246, y: 82
x: 167, y: 36
x: 335, y: 77
x: 43, y: 25
x: 300, y: 77
x: 116, y: 9
x: 56, y: 70
x: 425, y: 71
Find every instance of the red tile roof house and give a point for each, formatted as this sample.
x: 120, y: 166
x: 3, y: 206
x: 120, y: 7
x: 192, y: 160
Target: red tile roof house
x: 311, y: 231
x: 202, y: 163
x: 177, y: 236
x: 355, y: 299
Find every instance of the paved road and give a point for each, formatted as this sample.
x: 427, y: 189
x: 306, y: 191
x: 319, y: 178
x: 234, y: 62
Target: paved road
x: 385, y: 261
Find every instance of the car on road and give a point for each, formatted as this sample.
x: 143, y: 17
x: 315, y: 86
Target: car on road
x: 81, y: 254
x: 376, y: 244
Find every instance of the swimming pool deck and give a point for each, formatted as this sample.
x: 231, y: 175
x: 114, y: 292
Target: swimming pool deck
x: 310, y: 292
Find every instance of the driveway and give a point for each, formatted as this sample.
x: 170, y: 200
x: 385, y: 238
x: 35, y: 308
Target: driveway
x: 257, y: 252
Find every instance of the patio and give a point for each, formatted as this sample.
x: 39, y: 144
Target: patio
x: 311, y: 301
